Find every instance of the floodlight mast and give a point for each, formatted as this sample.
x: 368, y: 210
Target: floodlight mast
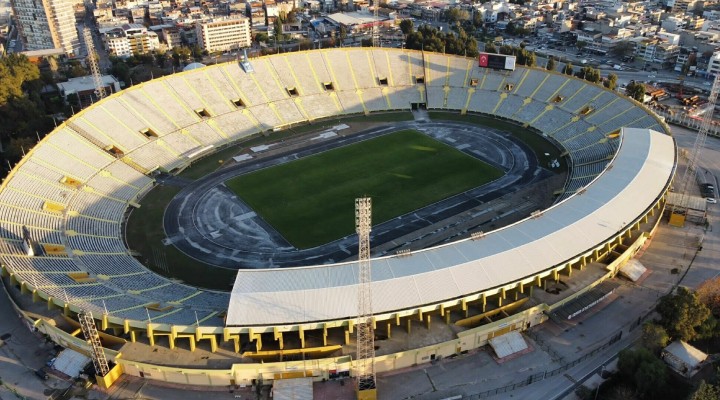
x: 87, y: 323
x: 693, y: 158
x: 93, y: 63
x: 365, y: 362
x: 376, y: 21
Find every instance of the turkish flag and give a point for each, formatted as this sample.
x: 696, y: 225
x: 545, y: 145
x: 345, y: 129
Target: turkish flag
x: 483, y: 60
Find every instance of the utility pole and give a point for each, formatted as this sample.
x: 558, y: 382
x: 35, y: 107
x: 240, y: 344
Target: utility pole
x: 365, y: 362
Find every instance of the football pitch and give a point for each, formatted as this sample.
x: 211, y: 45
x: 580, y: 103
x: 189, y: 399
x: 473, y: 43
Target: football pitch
x: 311, y: 201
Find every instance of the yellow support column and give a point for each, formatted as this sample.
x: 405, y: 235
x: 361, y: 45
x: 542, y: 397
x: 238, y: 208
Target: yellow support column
x: 325, y: 334
x: 227, y: 336
x: 301, y: 333
x: 409, y: 325
x: 389, y: 330
x: 104, y: 322
x: 483, y: 300
x: 447, y: 317
x: 36, y: 296
x: 427, y: 321
x: 500, y: 299
x: 569, y: 269
x: 465, y: 306
x: 397, y: 319
x: 278, y: 336
x: 150, y: 334
x: 133, y: 336
x: 420, y: 315
x: 502, y: 293
x: 347, y: 337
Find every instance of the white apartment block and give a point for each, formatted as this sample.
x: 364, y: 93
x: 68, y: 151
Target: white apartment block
x: 47, y: 24
x: 224, y: 34
x: 128, y: 39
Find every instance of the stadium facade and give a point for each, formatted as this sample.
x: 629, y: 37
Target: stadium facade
x: 66, y: 201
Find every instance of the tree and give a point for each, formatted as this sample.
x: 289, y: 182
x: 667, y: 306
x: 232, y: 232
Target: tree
x: 568, y: 69
x: 550, y: 66
x: 407, y: 26
x: 611, y: 81
x: 709, y: 294
x: 580, y: 44
x: 15, y: 71
x: 277, y: 29
x: 654, y: 337
x: 645, y: 371
x: 261, y: 37
x: 681, y: 313
x: 705, y: 391
x: 477, y: 19
x: 622, y: 49
x: 455, y: 14
x: 342, y: 33
x: 292, y: 17
x: 490, y: 48
x: 18, y: 147
x: 635, y: 91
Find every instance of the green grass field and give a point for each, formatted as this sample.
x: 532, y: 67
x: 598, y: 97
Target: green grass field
x: 311, y: 201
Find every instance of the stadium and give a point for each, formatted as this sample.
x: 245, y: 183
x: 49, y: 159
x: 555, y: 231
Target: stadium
x: 64, y: 208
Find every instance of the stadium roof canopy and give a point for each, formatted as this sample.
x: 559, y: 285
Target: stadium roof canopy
x: 632, y: 183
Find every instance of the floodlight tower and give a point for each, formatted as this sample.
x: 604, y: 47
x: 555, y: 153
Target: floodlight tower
x: 87, y: 323
x: 365, y: 362
x: 93, y: 63
x: 376, y: 21
x: 679, y: 211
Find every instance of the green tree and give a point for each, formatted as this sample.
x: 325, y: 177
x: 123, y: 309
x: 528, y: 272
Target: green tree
x: 654, y: 337
x: 277, y: 28
x: 121, y: 71
x: 681, y: 313
x: 15, y: 71
x: 645, y: 371
x: 635, y: 91
x: 568, y: 69
x: 490, y: 48
x: 611, y: 81
x: 18, y: 147
x: 477, y: 19
x: 292, y: 17
x: 407, y: 26
x: 622, y: 49
x: 550, y: 66
x: 580, y: 44
x: 705, y: 391
x: 455, y: 14
x: 261, y: 37
x: 342, y: 33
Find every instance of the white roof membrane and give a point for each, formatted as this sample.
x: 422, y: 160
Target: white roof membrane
x: 637, y: 176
